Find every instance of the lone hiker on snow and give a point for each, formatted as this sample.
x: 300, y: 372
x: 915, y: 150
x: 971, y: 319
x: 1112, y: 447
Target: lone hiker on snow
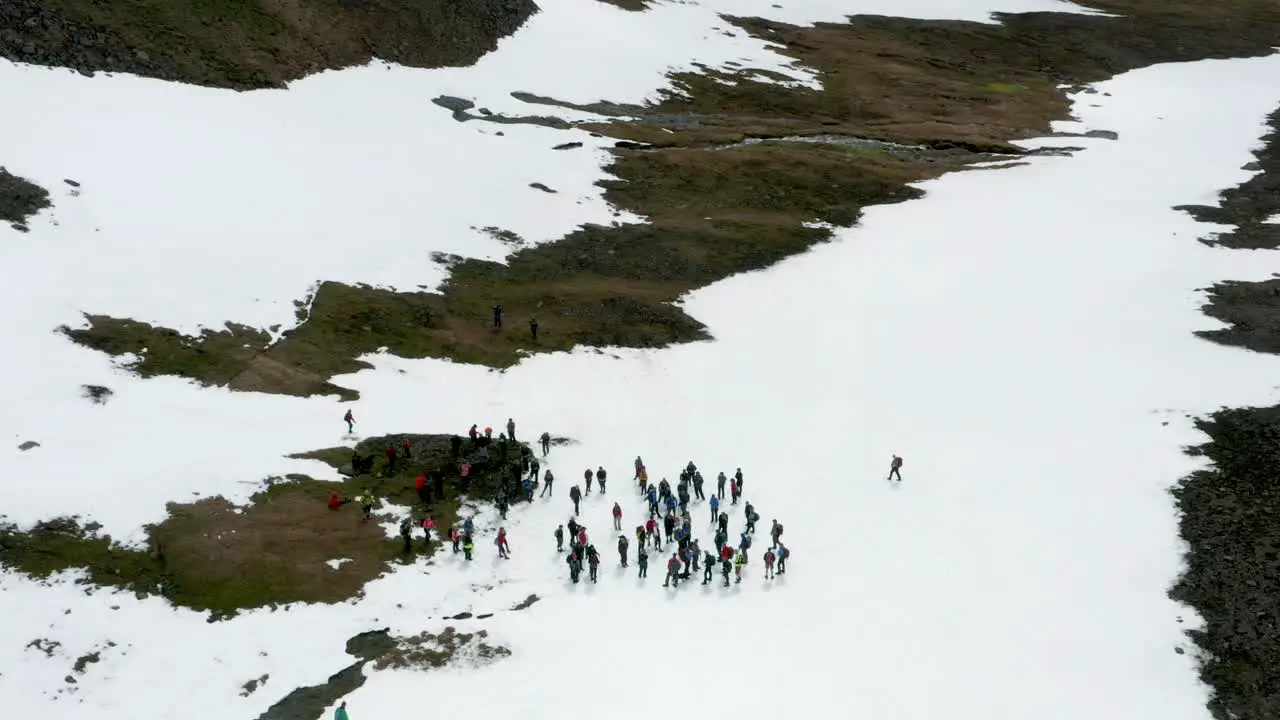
x: 600, y: 477
x: 546, y: 443
x: 547, y: 480
x: 504, y: 550
x: 341, y: 712
x: 350, y: 420
x: 895, y: 468
x: 576, y: 496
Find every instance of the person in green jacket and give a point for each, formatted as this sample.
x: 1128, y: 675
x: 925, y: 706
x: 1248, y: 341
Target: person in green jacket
x: 467, y: 546
x: 341, y: 712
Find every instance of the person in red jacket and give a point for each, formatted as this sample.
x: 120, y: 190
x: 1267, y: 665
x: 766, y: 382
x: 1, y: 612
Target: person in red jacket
x: 895, y: 468
x: 334, y: 501
x: 473, y: 433
x: 582, y: 537
x: 350, y: 420
x: 504, y: 550
x: 391, y: 458
x: 424, y: 490
x: 617, y: 516
x: 651, y: 529
x: 726, y: 552
x: 673, y: 571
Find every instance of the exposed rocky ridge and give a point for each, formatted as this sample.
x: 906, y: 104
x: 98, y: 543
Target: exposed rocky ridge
x: 20, y: 199
x: 1230, y: 512
x: 251, y: 43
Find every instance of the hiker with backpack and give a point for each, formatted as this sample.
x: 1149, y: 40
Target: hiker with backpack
x: 673, y: 572
x: 783, y: 554
x: 895, y: 468
x: 775, y: 532
x: 559, y: 533
x: 715, y: 507
x: 642, y: 561
x: 623, y: 544
x: 593, y: 562
x: 769, y: 557
x: 752, y: 517
x: 744, y: 544
x: 617, y: 516
x: 738, y: 562
x: 600, y: 478
x: 406, y: 533
x: 504, y: 550
x: 576, y: 496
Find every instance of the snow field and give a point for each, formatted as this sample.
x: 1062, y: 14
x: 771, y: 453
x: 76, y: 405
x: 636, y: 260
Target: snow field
x: 1019, y: 336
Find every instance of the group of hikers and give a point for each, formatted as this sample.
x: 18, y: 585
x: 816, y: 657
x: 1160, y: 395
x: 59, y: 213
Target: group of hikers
x: 668, y: 508
x: 669, y: 521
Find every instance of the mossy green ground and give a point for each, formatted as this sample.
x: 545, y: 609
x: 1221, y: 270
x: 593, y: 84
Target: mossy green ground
x: 208, y: 556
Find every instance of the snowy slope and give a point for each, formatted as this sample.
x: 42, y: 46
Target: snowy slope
x: 1021, y: 336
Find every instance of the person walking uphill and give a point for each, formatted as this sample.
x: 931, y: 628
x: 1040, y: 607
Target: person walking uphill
x: 895, y: 468
x: 497, y: 317
x: 548, y: 478
x: 341, y: 712
x: 406, y: 533
x: 504, y: 550
x: 545, y: 441
x: 600, y: 478
x: 576, y: 496
x: 350, y: 420
x: 769, y: 557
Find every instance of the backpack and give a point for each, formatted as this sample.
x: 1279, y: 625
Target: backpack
x: 746, y: 542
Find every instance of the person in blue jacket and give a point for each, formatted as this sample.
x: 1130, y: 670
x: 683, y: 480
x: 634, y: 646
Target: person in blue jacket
x: 715, y: 507
x: 744, y: 544
x: 671, y: 503
x: 468, y: 526
x: 341, y: 712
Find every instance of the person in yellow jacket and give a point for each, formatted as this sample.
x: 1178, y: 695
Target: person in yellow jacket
x: 366, y: 504
x: 467, y: 546
x: 738, y: 561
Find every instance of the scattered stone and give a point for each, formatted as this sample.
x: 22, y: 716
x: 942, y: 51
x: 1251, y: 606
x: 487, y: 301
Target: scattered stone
x: 45, y: 646
x: 543, y: 188
x: 28, y: 445
x: 97, y: 393
x: 70, y: 679
x: 461, y: 616
x: 526, y: 603
x: 1180, y: 651
x: 572, y: 145
x: 484, y: 616
x: 70, y: 182
x: 250, y: 687
x: 84, y: 661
